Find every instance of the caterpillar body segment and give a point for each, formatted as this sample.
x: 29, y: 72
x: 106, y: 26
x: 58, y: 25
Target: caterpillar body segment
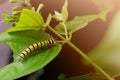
x: 36, y: 46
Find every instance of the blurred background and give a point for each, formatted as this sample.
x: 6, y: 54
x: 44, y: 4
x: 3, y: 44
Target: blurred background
x: 68, y: 61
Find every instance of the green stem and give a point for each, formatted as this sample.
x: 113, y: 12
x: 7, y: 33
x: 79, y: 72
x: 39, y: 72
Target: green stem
x: 65, y: 29
x: 82, y: 54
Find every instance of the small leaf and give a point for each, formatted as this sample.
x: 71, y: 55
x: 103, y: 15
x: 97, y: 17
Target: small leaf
x: 12, y: 1
x: 20, y: 40
x: 79, y: 22
x: 8, y: 18
x: 57, y: 16
x: 64, y: 12
x: 63, y: 16
x: 90, y: 76
x: 29, y: 20
x: 17, y: 11
x: 103, y: 14
x: 48, y: 20
x: 40, y: 7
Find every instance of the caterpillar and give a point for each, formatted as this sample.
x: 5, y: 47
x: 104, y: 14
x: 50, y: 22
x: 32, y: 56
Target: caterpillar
x: 34, y: 47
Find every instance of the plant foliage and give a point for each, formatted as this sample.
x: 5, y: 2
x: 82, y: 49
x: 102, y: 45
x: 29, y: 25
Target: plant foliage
x: 29, y: 27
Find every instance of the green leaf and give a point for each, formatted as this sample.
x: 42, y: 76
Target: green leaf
x: 63, y: 16
x: 40, y: 7
x: 20, y: 40
x: 90, y: 76
x: 17, y: 11
x: 64, y: 12
x: 107, y: 53
x: 29, y: 20
x: 12, y: 1
x: 57, y: 16
x: 79, y: 22
x: 48, y: 20
x: 9, y: 18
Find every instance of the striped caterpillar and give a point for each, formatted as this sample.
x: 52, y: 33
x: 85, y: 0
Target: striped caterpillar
x: 36, y: 46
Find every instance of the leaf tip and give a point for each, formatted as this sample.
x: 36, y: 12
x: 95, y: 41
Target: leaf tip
x: 12, y: 1
x: 103, y: 14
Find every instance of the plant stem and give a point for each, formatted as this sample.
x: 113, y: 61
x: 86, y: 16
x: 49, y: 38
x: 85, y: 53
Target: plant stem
x: 81, y: 53
x: 89, y: 60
